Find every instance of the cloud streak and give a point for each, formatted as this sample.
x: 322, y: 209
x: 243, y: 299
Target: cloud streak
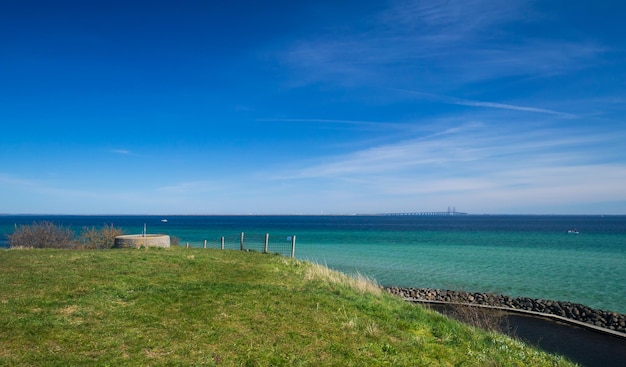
x: 438, y: 45
x: 473, y: 161
x: 486, y: 104
x: 504, y: 106
x: 356, y: 123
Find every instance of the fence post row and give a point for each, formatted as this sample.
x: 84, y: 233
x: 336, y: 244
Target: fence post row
x: 265, y: 249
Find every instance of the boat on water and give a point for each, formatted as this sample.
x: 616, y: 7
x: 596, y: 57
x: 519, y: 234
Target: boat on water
x: 572, y: 231
x: 164, y: 220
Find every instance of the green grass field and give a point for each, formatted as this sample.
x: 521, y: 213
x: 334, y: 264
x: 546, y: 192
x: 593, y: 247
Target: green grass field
x: 188, y: 307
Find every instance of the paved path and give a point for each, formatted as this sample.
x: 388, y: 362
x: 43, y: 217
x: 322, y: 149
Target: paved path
x: 586, y: 347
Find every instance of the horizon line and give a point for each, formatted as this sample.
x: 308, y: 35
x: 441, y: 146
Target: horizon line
x: 389, y: 214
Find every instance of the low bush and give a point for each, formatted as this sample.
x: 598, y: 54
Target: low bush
x: 103, y: 238
x: 50, y: 235
x: 42, y: 235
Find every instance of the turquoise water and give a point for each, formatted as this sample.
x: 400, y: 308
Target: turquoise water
x: 492, y: 262
x: 531, y: 256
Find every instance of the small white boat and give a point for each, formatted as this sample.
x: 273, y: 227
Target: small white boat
x: 164, y: 220
x: 572, y: 231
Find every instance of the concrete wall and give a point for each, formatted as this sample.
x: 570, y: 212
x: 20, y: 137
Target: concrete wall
x: 138, y: 240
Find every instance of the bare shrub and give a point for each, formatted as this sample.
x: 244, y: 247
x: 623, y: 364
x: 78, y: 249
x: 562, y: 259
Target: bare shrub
x: 42, y: 235
x: 103, y: 238
x: 49, y: 235
x: 481, y: 317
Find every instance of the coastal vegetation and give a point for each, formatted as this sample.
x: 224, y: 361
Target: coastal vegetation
x: 49, y: 235
x: 191, y: 307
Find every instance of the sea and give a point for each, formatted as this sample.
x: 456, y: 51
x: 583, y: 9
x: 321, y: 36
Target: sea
x: 580, y: 259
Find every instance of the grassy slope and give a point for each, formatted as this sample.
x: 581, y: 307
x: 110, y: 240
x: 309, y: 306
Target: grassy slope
x: 211, y: 307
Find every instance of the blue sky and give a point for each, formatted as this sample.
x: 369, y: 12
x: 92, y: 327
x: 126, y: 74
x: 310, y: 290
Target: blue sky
x: 195, y: 107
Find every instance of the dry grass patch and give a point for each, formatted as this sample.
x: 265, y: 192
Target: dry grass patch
x: 485, y: 318
x: 359, y: 282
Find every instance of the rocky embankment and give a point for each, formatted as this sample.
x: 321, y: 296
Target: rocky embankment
x: 604, y: 319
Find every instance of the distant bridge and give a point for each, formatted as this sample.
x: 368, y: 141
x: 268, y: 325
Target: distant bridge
x: 451, y: 212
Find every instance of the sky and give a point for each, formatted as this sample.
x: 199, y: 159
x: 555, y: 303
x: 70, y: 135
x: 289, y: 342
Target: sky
x: 312, y: 107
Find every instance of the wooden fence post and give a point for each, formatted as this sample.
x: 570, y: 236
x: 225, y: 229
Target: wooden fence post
x: 222, y: 241
x: 293, y: 246
x: 267, y: 241
x: 241, y: 242
x: 204, y: 243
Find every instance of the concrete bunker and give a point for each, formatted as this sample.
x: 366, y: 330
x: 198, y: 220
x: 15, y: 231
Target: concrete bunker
x: 142, y: 240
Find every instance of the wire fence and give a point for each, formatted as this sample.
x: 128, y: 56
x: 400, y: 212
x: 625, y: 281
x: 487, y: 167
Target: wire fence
x: 259, y: 242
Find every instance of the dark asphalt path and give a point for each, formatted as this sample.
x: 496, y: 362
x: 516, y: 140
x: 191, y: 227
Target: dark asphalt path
x: 586, y: 347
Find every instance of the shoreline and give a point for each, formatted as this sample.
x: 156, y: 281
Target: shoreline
x: 599, y: 319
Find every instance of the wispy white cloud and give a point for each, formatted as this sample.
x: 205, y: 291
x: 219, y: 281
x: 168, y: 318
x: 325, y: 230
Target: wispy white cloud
x: 465, y: 102
x: 473, y: 165
x: 486, y: 104
x: 359, y: 123
x: 438, y: 45
x: 454, y: 16
x: 8, y: 179
x: 453, y: 146
x: 384, y: 127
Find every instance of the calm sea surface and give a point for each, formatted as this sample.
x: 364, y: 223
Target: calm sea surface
x: 531, y: 256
